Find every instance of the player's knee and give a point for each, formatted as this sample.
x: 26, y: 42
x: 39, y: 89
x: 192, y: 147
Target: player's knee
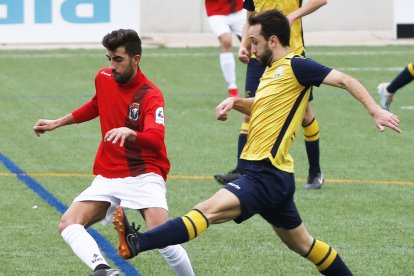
x: 300, y: 248
x: 308, y: 119
x: 210, y: 212
x: 62, y: 226
x: 65, y: 222
x: 226, y: 42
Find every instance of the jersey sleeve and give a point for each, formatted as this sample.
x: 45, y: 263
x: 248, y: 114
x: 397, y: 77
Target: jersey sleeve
x: 86, y: 112
x: 309, y: 72
x: 153, y: 133
x: 248, y: 5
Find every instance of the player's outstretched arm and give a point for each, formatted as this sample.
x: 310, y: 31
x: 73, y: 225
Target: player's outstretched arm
x: 242, y: 105
x: 43, y: 125
x: 381, y: 117
x: 308, y: 8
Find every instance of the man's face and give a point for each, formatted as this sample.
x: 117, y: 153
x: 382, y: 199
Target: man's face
x: 123, y: 66
x: 260, y: 46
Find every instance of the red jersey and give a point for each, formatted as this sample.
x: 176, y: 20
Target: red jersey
x: 223, y: 7
x: 138, y: 105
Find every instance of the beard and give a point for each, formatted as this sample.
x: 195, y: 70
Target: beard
x: 266, y: 58
x: 124, y: 77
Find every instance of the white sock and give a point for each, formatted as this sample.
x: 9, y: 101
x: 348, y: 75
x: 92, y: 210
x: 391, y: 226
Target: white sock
x: 228, y: 67
x: 177, y: 259
x: 84, y: 246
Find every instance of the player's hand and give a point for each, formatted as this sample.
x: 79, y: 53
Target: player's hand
x: 290, y: 18
x: 223, y: 108
x: 120, y: 135
x: 384, y: 118
x: 43, y: 125
x: 244, y: 55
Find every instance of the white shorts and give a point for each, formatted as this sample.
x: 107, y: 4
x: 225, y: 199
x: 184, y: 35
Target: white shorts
x: 138, y: 192
x: 232, y: 23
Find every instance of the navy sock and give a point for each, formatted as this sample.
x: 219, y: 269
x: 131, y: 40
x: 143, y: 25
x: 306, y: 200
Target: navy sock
x: 312, y: 150
x: 403, y: 78
x: 170, y: 233
x: 175, y: 231
x: 240, y: 145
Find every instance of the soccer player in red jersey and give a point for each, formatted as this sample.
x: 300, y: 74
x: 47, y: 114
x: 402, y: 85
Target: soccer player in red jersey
x: 131, y: 163
x: 227, y: 17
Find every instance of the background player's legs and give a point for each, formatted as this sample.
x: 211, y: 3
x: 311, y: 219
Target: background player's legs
x: 311, y: 134
x: 253, y: 74
x: 228, y: 64
x: 388, y: 90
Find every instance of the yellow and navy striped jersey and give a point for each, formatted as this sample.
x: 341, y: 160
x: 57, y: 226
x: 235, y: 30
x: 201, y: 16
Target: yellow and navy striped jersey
x: 278, y: 109
x: 286, y: 7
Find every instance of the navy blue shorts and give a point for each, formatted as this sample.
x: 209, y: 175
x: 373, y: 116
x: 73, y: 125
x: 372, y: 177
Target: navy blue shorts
x: 254, y: 72
x: 267, y: 191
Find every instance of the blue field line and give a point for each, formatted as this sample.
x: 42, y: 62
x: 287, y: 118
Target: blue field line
x: 36, y: 187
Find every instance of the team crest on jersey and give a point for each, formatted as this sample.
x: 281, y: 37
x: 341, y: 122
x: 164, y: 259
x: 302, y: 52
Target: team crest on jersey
x: 278, y: 72
x: 134, y: 111
x: 159, y: 116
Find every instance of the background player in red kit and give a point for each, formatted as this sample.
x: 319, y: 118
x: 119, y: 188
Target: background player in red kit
x: 227, y: 17
x: 131, y: 163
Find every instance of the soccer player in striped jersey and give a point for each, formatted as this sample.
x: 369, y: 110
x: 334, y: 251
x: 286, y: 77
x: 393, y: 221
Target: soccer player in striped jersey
x: 294, y: 10
x: 388, y: 90
x: 227, y: 17
x: 267, y: 187
x: 131, y: 163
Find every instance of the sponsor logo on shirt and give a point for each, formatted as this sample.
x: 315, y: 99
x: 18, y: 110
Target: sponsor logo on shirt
x: 159, y: 116
x: 134, y: 111
x: 278, y: 72
x: 106, y: 74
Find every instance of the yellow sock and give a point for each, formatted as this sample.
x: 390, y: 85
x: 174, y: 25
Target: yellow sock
x: 195, y: 222
x: 411, y: 69
x: 311, y: 131
x: 244, y: 128
x: 322, y: 255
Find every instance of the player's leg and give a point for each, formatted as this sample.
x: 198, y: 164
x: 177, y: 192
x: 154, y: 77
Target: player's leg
x: 388, y: 90
x: 80, y: 215
x: 147, y: 193
x: 221, y: 207
x: 324, y: 257
x: 228, y: 63
x: 287, y: 223
x: 253, y: 74
x: 175, y: 255
x: 220, y: 26
x: 311, y: 134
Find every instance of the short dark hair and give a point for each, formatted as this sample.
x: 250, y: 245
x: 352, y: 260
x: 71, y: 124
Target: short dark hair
x: 273, y: 23
x: 123, y: 37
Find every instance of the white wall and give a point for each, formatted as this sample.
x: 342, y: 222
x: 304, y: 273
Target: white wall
x: 188, y: 16
x: 71, y: 21
x: 64, y: 21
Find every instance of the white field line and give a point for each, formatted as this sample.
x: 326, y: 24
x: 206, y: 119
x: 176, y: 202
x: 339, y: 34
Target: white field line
x: 4, y: 55
x: 204, y: 54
